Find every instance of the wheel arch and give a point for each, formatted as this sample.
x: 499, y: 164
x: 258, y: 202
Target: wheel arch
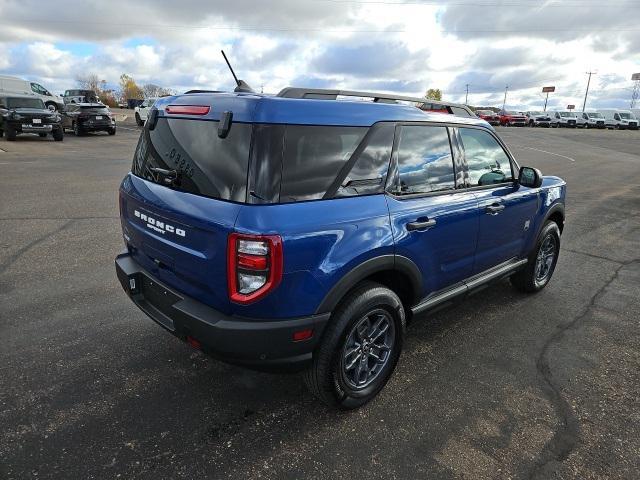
x: 398, y: 273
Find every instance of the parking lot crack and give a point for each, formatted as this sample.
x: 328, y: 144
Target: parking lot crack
x: 567, y: 433
x: 13, y: 258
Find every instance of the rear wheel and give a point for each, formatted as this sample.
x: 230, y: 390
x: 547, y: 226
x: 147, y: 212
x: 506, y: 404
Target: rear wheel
x: 77, y: 131
x: 542, y: 261
x: 10, y: 133
x: 359, y: 348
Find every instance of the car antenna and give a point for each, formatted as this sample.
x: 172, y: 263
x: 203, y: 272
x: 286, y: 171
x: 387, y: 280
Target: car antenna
x: 241, y: 85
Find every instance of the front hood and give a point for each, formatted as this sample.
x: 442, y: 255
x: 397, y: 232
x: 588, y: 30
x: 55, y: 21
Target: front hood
x: 32, y: 111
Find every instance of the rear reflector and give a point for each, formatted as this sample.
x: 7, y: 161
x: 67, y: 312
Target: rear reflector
x: 302, y: 335
x: 187, y: 109
x: 194, y: 343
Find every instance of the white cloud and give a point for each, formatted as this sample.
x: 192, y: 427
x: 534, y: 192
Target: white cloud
x: 404, y: 47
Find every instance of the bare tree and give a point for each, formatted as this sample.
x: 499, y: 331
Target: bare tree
x: 153, y: 90
x: 89, y: 81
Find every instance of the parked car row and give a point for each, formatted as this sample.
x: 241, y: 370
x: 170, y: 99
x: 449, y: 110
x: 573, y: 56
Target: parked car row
x: 29, y: 114
x: 603, y: 118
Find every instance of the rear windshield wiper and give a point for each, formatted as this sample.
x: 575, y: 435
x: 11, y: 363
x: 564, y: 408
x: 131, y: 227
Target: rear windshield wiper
x: 170, y: 177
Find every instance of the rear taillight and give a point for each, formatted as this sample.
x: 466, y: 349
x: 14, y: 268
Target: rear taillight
x: 254, y: 266
x: 187, y: 109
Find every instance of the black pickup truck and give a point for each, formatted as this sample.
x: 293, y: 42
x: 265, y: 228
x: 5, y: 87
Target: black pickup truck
x: 24, y: 114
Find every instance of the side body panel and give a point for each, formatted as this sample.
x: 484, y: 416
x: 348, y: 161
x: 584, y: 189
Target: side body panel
x: 322, y: 242
x: 445, y: 252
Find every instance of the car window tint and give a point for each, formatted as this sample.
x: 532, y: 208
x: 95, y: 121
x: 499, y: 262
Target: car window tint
x: 313, y: 158
x: 460, y: 112
x: 487, y: 161
x: 369, y: 172
x: 425, y: 163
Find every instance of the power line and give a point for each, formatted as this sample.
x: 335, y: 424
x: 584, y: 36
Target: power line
x: 258, y: 28
x: 475, y: 3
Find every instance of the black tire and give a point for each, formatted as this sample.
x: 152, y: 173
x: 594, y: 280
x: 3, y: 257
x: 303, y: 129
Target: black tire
x: 77, y: 131
x: 1, y: 133
x: 139, y: 121
x: 112, y: 131
x: 55, y: 107
x: 328, y: 377
x: 530, y: 279
x: 10, y: 132
x: 58, y: 135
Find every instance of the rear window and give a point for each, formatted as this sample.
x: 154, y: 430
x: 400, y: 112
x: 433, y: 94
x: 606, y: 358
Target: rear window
x: 204, y: 163
x: 96, y: 110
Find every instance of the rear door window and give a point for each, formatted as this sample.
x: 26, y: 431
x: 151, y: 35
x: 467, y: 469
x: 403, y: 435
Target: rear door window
x: 425, y: 162
x: 204, y: 163
x: 313, y: 158
x: 487, y: 161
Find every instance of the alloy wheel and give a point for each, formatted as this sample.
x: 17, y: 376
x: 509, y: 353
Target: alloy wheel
x: 368, y: 348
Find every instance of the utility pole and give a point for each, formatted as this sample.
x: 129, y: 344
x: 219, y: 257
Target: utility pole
x: 587, y: 92
x: 466, y: 97
x: 504, y: 102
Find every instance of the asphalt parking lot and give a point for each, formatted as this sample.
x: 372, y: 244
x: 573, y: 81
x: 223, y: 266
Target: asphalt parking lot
x: 501, y: 386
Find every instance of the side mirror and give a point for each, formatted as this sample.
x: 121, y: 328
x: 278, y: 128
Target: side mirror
x: 530, y: 177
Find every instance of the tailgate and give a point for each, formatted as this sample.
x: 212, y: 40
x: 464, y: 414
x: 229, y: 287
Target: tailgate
x: 179, y: 237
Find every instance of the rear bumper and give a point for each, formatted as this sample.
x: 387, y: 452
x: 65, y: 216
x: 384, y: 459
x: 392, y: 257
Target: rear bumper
x: 97, y: 127
x: 260, y: 344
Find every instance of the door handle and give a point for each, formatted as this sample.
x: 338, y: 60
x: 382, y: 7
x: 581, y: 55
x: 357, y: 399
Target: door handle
x: 420, y: 224
x: 494, y: 208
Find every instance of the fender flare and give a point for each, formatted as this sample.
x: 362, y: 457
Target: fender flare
x: 557, y: 207
x: 366, y: 269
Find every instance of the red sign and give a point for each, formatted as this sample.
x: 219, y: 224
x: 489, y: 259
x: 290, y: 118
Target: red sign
x: 570, y: 107
x: 548, y: 89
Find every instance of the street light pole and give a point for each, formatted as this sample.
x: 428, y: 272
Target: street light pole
x: 587, y: 92
x: 466, y: 97
x: 504, y: 102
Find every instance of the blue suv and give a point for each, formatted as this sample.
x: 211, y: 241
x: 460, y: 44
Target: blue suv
x: 301, y: 231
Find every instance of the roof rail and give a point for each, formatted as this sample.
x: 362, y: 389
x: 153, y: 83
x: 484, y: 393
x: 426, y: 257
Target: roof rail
x: 327, y: 94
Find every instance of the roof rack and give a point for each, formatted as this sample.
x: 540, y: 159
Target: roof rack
x: 326, y: 94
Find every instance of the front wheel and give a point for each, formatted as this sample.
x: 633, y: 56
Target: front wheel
x: 58, y: 135
x: 542, y: 261
x: 112, y: 131
x: 359, y: 349
x: 77, y: 131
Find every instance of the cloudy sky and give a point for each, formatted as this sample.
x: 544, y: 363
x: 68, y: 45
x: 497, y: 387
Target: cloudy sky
x: 403, y: 46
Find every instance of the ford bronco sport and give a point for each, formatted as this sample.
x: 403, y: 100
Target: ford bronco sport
x: 301, y: 232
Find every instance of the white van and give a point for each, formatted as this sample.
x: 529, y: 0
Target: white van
x: 619, y: 119
x: 15, y: 85
x: 590, y: 120
x: 563, y: 118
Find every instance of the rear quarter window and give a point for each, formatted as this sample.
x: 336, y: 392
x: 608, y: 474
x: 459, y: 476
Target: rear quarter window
x: 313, y: 158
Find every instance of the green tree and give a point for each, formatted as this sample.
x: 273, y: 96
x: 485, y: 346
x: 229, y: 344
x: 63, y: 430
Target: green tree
x: 433, y: 94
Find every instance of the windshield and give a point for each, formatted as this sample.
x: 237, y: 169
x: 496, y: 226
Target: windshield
x: 567, y: 114
x: 595, y: 115
x: 25, y: 103
x: 626, y: 116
